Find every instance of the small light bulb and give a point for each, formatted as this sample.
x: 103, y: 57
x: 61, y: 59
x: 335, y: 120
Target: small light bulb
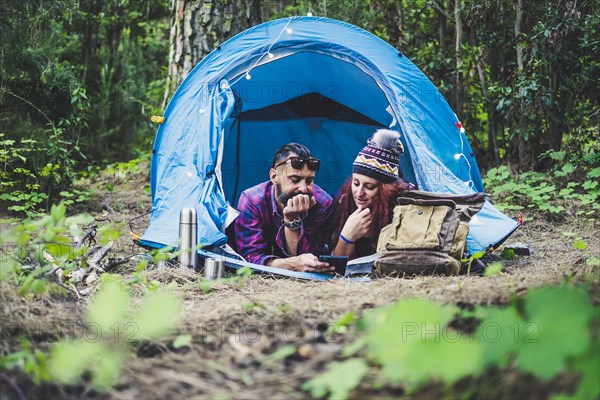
x: 202, y: 111
x: 309, y: 14
x: 270, y: 55
x: 223, y: 85
x: 457, y: 156
x: 462, y: 130
x: 288, y: 30
x: 248, y: 75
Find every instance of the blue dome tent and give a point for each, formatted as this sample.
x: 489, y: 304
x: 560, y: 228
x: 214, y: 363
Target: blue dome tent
x: 317, y: 81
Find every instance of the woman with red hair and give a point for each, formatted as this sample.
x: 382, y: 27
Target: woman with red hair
x: 365, y: 203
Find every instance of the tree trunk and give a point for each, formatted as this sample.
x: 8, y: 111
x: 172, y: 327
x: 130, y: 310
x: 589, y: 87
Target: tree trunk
x: 521, y: 116
x: 89, y: 32
x: 401, y: 25
x: 557, y: 110
x: 492, y: 142
x: 443, y: 17
x: 443, y: 25
x: 458, y: 59
x: 518, y: 28
x: 560, y: 70
x: 199, y: 26
x: 490, y: 54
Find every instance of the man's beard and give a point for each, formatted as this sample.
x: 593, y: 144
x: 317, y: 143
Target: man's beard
x: 284, y: 197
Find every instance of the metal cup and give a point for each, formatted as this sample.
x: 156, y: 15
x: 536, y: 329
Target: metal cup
x: 213, y: 269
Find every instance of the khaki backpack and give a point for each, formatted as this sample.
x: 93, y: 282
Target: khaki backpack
x: 427, y: 235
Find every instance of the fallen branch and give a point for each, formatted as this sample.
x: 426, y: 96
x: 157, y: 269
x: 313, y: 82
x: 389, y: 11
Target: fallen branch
x: 100, y: 254
x: 79, y: 270
x: 89, y: 234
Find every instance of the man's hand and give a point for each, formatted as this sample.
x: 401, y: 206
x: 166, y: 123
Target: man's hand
x: 297, y: 206
x: 357, y: 225
x: 302, y: 263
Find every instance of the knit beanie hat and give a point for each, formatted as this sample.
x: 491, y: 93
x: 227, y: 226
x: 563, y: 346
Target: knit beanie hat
x: 379, y: 158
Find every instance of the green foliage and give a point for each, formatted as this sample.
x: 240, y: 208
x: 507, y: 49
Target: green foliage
x: 79, y: 83
x: 281, y: 353
x: 470, y: 259
x: 37, y: 173
x: 356, y: 11
x: 494, y: 269
x: 341, y: 325
x: 116, y: 324
x: 412, y: 342
x: 253, y: 306
x: 404, y: 337
x: 32, y: 249
x: 70, y: 359
x: 339, y: 379
x: 564, y: 328
x: 133, y: 166
x: 593, y: 261
x: 182, y: 341
x: 58, y: 56
x: 555, y: 319
x: 561, y: 193
x: 31, y: 361
x: 588, y: 368
x: 508, y: 254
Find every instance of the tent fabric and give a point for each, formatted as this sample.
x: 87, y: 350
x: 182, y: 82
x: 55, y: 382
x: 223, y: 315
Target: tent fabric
x: 187, y: 174
x: 317, y: 81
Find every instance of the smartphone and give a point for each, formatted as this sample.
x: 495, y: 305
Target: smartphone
x: 339, y: 262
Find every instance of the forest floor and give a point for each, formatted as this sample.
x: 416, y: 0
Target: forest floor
x: 266, y: 336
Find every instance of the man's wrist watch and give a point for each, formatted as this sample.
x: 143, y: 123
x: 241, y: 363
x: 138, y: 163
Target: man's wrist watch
x: 293, y: 225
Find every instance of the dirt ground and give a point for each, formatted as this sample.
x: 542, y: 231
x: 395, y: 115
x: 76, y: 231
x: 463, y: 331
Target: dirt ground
x: 237, y: 329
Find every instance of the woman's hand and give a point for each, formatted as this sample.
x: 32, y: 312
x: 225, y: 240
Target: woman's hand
x: 357, y: 225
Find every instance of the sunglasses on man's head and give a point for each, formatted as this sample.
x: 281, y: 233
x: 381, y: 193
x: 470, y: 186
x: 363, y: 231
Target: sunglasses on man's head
x: 299, y: 162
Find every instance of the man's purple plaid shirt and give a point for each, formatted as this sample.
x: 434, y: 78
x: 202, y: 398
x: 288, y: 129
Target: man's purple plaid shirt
x: 259, y: 231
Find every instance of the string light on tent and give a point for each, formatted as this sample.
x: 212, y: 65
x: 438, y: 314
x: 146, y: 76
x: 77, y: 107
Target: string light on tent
x: 309, y: 14
x: 247, y: 75
x: 458, y: 156
x: 268, y: 53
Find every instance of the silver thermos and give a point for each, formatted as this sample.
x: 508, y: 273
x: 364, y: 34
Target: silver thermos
x: 188, y: 228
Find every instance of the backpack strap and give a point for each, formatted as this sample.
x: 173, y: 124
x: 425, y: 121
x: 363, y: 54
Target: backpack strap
x: 426, y: 202
x: 473, y: 198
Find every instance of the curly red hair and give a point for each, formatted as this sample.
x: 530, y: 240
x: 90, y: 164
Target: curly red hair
x: 382, y: 211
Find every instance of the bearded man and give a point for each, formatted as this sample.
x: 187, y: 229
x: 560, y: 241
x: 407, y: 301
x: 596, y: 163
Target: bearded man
x: 282, y: 221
